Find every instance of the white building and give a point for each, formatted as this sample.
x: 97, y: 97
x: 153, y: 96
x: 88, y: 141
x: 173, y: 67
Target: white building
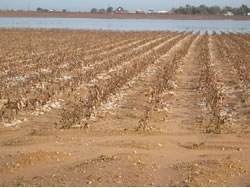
x: 163, y: 12
x: 229, y: 14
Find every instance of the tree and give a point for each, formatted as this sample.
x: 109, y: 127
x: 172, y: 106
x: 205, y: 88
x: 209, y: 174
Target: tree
x: 203, y: 9
x: 179, y: 10
x: 102, y: 10
x: 195, y: 10
x: 120, y: 9
x: 64, y: 10
x: 189, y: 9
x: 226, y: 10
x: 235, y: 11
x: 214, y: 10
x: 109, y: 10
x: 243, y: 10
x: 39, y: 9
x: 93, y: 10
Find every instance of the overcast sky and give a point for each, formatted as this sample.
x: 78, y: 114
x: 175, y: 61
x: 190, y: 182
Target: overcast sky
x: 131, y: 5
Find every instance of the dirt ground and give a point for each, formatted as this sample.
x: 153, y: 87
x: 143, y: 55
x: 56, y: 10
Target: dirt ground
x: 119, y: 16
x: 175, y: 150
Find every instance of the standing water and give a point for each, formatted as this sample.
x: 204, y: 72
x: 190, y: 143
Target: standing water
x: 128, y: 24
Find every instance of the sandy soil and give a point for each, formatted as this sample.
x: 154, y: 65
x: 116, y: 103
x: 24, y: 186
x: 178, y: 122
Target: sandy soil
x: 120, y: 16
x: 176, y: 150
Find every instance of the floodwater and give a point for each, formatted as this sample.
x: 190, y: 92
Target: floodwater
x: 128, y: 24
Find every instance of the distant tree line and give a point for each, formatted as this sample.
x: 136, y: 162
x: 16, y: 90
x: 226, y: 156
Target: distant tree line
x: 39, y: 9
x: 203, y: 9
x: 42, y: 10
x: 109, y: 10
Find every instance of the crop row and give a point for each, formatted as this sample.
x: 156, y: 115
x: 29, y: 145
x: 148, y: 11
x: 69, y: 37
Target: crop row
x: 242, y: 45
x: 245, y: 37
x: 80, y: 45
x: 236, y: 56
x: 211, y: 89
x: 84, y: 108
x: 164, y: 79
x: 38, y: 90
x: 44, y: 65
x: 46, y: 73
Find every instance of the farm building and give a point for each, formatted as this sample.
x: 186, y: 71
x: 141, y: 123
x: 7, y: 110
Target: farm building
x: 151, y: 11
x: 163, y: 12
x: 229, y: 14
x: 139, y: 11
